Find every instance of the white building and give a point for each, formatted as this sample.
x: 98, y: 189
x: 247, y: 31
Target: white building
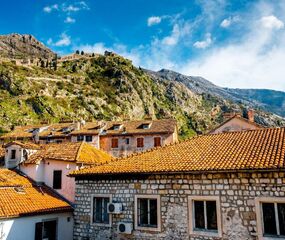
x: 51, y: 163
x: 31, y: 212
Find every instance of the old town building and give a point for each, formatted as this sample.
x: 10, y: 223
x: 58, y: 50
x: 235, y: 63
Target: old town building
x: 31, y: 211
x: 118, y: 138
x: 220, y: 186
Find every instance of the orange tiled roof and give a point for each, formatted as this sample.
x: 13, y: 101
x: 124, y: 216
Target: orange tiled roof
x: 79, y: 152
x: 64, y: 129
x: 18, y: 197
x: 26, y: 145
x: 253, y: 149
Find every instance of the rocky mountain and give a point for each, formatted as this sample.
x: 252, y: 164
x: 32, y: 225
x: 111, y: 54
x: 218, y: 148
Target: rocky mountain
x: 267, y: 100
x: 109, y: 87
x: 17, y: 46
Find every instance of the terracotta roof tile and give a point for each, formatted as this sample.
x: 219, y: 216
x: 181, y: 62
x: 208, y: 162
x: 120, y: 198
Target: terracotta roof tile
x: 64, y: 129
x: 26, y: 145
x: 253, y: 149
x: 79, y: 152
x: 18, y: 197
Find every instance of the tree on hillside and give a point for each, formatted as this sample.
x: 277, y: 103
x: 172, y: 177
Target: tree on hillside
x: 82, y: 53
x: 77, y: 52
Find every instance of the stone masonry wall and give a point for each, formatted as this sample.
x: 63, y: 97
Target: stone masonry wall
x: 236, y: 191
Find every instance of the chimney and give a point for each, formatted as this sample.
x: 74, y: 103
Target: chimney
x: 250, y: 115
x: 78, y: 125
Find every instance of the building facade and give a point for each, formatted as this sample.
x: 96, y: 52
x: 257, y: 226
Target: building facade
x: 220, y: 186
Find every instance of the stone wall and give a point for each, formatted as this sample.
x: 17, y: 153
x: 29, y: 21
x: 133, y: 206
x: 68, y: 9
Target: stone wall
x: 236, y: 191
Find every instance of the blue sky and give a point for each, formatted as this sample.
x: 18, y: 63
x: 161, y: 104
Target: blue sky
x: 234, y: 43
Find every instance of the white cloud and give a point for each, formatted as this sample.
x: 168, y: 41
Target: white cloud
x: 227, y: 22
x: 77, y: 6
x: 153, y: 20
x: 205, y: 43
x: 63, y: 41
x: 69, y: 20
x: 49, y: 9
x: 272, y: 22
x: 178, y: 31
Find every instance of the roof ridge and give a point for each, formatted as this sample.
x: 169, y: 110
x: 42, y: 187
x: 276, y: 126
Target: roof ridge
x: 78, y: 151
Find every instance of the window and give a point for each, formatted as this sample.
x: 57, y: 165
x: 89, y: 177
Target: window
x: 57, y: 175
x: 157, y: 141
x: 46, y: 230
x: 145, y: 126
x: 115, y: 143
x: 204, y: 215
x: 13, y: 154
x: 127, y: 141
x: 100, y: 214
x: 88, y: 138
x: 140, y: 142
x: 116, y: 127
x: 80, y: 138
x: 271, y: 218
x: 147, y: 212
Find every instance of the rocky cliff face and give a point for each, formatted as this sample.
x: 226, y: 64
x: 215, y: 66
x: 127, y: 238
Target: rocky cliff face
x: 19, y: 46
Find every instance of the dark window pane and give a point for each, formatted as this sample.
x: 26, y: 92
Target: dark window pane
x: 88, y: 138
x: 153, y: 212
x: 57, y: 178
x: 98, y: 210
x: 199, y: 214
x: 100, y: 214
x: 269, y: 218
x: 143, y: 212
x: 211, y: 215
x: 281, y: 216
x: 13, y: 154
x: 105, y: 212
x: 39, y: 231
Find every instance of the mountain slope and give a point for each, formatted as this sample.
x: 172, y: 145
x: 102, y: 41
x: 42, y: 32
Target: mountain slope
x: 109, y: 87
x: 23, y: 46
x: 267, y: 100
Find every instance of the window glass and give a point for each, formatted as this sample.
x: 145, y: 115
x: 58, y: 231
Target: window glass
x: 269, y: 222
x: 199, y: 214
x: 88, y: 138
x: 211, y: 215
x: 147, y: 212
x: 100, y: 213
x: 127, y: 141
x: 13, y: 154
x: 80, y: 138
x: 57, y: 175
x: 281, y: 216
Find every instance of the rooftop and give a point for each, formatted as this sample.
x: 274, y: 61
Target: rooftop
x: 94, y: 128
x: 247, y: 150
x: 19, y: 197
x: 79, y: 152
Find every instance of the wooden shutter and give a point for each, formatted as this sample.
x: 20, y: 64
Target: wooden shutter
x: 115, y: 142
x: 140, y: 142
x: 157, y: 141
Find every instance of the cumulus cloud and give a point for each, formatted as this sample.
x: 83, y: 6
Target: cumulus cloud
x: 63, y: 41
x: 178, y: 31
x: 153, y: 20
x: 69, y: 20
x: 227, y: 22
x: 272, y: 22
x: 205, y: 43
x: 49, y: 9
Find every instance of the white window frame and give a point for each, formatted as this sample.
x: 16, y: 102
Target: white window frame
x: 157, y: 197
x: 209, y: 233
x: 92, y: 210
x: 259, y: 215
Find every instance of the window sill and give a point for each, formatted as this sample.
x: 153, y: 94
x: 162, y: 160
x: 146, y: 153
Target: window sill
x: 205, y: 233
x: 101, y: 224
x: 149, y: 229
